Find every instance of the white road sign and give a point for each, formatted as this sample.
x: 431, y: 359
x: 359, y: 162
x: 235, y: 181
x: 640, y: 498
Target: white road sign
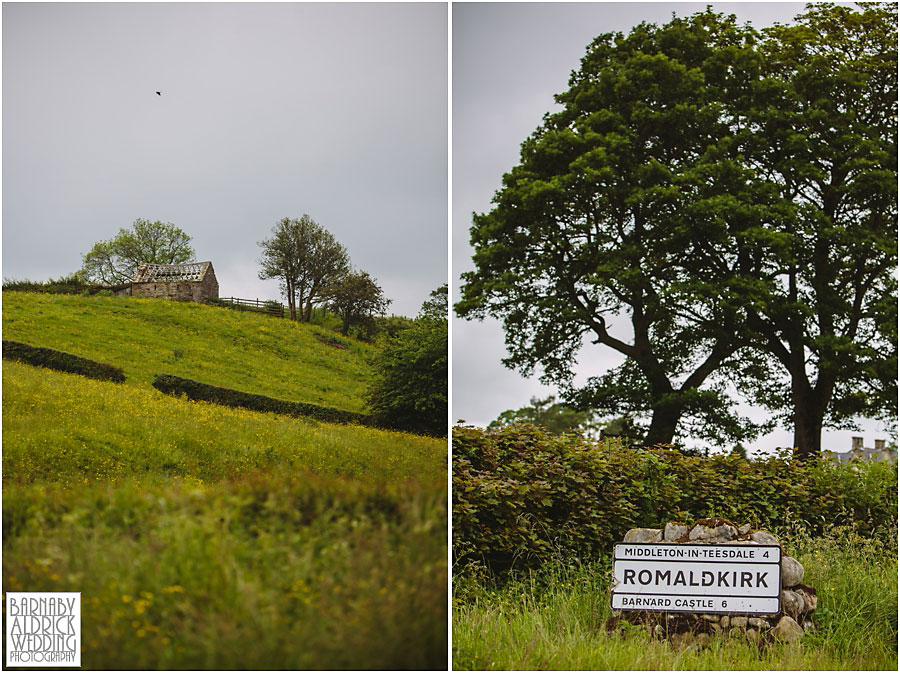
x: 743, y: 579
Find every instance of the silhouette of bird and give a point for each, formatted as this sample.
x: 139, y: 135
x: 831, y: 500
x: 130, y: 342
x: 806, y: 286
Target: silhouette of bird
x: 158, y: 93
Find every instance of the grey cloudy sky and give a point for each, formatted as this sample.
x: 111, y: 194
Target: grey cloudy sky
x: 268, y: 110
x: 508, y: 61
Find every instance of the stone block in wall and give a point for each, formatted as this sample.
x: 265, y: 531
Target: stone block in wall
x: 674, y: 531
x: 712, y: 530
x: 791, y: 572
x: 643, y: 535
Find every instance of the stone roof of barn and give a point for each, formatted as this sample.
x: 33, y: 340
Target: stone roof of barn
x: 164, y: 273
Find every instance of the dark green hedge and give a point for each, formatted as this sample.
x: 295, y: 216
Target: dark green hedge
x: 175, y: 385
x: 54, y: 287
x: 64, y: 362
x: 521, y: 494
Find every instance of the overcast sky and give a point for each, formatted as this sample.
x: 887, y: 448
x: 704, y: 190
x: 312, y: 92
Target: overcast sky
x: 508, y: 61
x: 267, y: 111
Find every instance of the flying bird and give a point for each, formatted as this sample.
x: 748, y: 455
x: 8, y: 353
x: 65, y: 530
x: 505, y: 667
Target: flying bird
x: 158, y: 93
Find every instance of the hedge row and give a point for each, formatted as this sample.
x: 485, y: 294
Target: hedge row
x: 522, y: 495
x: 54, y: 287
x: 64, y: 362
x: 175, y: 385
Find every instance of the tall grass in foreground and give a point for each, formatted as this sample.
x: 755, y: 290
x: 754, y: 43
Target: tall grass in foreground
x: 554, y: 619
x: 202, y: 537
x: 258, y: 573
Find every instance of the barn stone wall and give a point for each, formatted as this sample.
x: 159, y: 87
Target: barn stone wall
x: 180, y: 290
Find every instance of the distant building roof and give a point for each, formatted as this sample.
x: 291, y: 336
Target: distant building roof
x: 863, y: 454
x: 164, y: 273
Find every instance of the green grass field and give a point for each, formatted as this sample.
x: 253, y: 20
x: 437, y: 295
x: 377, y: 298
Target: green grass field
x: 244, y: 351
x: 555, y: 619
x: 203, y: 537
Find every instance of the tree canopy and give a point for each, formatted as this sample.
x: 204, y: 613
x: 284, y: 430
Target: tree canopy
x: 822, y: 131
x: 657, y: 215
x: 357, y: 299
x: 114, y: 261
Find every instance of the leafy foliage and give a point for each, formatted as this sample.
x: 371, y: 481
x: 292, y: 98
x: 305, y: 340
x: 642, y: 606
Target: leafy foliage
x: 555, y: 417
x: 357, y: 299
x: 522, y: 494
x: 410, y: 387
x: 64, y: 362
x: 115, y: 261
x: 306, y: 259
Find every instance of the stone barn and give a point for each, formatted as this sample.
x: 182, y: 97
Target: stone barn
x: 181, y: 282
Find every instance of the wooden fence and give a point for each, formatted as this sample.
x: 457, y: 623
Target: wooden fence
x: 266, y: 306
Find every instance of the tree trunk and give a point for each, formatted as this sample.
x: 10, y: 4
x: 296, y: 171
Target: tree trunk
x: 292, y: 299
x: 810, y: 404
x: 662, y: 425
x: 807, y: 431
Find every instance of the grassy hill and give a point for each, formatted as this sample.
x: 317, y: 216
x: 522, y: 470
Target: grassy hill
x: 204, y: 537
x: 244, y: 351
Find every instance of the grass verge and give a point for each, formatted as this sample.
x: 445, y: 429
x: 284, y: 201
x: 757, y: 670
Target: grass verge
x: 553, y: 619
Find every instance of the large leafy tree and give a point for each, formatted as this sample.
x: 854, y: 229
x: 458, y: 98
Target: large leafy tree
x: 306, y: 259
x: 821, y: 128
x: 733, y: 196
x: 600, y: 232
x: 409, y: 391
x: 357, y: 299
x: 114, y: 261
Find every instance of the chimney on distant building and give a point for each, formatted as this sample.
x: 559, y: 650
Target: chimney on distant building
x: 879, y: 444
x: 857, y: 443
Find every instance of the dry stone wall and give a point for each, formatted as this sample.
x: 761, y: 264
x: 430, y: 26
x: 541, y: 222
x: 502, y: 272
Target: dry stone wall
x: 798, y: 601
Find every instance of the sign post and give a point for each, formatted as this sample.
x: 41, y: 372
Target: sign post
x: 707, y: 578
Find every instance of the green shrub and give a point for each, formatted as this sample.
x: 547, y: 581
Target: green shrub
x: 522, y: 495
x: 175, y: 385
x: 64, y: 362
x: 73, y: 284
x: 410, y: 387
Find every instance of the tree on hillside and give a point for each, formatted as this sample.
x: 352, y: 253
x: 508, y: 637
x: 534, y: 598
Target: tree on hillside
x: 633, y: 202
x: 114, y: 261
x: 437, y: 305
x: 410, y: 387
x: 357, y: 299
x: 306, y: 259
x: 821, y: 130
